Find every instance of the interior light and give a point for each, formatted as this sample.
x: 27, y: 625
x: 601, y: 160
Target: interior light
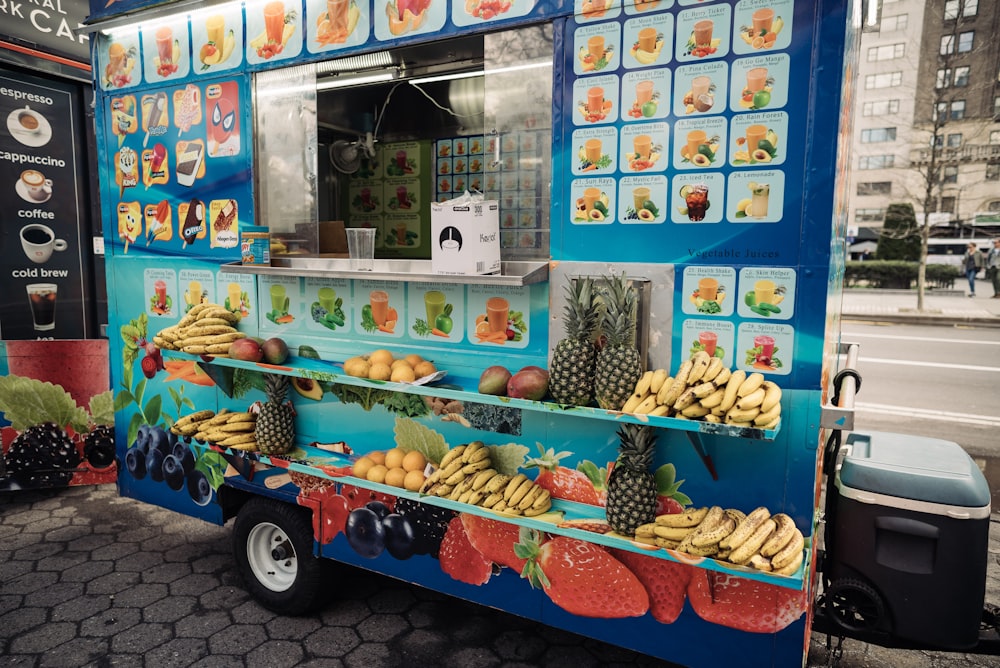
x: 518, y: 68
x: 446, y: 77
x: 344, y: 80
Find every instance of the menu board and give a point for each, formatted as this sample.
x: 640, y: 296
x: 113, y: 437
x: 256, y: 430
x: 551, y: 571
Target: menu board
x: 178, y: 166
x: 392, y: 194
x: 683, y: 144
x: 41, y: 241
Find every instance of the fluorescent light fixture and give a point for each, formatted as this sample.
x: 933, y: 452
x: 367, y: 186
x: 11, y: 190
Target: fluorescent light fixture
x: 342, y: 80
x: 518, y: 68
x: 446, y: 77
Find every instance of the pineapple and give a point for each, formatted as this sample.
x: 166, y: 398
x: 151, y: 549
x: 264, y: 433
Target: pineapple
x: 572, y: 368
x: 631, y: 486
x: 275, y: 430
x: 618, y: 366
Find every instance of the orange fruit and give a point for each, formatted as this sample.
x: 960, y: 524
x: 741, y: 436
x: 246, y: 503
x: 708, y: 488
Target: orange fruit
x: 360, y: 468
x: 424, y: 369
x: 404, y: 374
x: 483, y: 328
x: 414, y: 461
x: 413, y: 481
x: 377, y: 473
x: 757, y: 43
x: 394, y: 458
x: 377, y: 456
x: 414, y: 359
x: 395, y: 477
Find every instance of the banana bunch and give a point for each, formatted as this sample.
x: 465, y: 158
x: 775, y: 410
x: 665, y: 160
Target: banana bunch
x: 205, y: 329
x: 704, y: 390
x: 466, y: 474
x: 760, y: 540
x: 226, y: 428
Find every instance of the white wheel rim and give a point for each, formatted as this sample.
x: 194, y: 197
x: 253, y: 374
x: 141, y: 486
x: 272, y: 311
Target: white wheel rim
x: 275, y: 574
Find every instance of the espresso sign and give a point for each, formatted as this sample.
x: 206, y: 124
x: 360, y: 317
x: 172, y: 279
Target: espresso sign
x: 51, y: 26
x: 42, y: 278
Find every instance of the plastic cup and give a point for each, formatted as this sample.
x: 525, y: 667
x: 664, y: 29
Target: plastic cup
x: 695, y: 138
x: 194, y: 293
x: 708, y: 288
x: 42, y: 298
x: 756, y: 79
x: 639, y: 197
x: 379, y: 301
x: 361, y: 248
x: 708, y: 340
x: 592, y: 149
x: 766, y: 344
x: 754, y: 134
x: 759, y: 197
x: 595, y: 99
x: 274, y: 21
x: 279, y: 301
x: 764, y: 292
x: 497, y: 313
x: 160, y: 288
x: 165, y: 45
x: 647, y: 40
x: 643, y: 92
x: 328, y: 298
x: 643, y: 145
x: 703, y: 33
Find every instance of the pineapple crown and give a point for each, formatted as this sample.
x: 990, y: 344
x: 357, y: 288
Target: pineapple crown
x: 638, y: 444
x: 581, y: 315
x: 620, y: 304
x: 276, y: 385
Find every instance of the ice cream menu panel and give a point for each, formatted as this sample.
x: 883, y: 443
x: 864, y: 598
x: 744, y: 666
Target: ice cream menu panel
x: 177, y: 162
x: 42, y: 276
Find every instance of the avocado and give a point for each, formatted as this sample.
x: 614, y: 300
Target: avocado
x: 308, y: 388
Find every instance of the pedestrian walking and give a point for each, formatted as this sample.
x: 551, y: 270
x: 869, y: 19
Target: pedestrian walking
x: 972, y: 261
x: 993, y: 267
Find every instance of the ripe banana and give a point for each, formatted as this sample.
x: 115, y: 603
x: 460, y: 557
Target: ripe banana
x: 713, y: 370
x: 712, y: 537
x: 791, y: 567
x: 742, y: 417
x: 633, y: 402
x: 451, y: 455
x: 696, y: 411
x: 735, y: 380
x: 723, y: 377
x: 647, y: 405
x: 782, y: 535
x: 761, y: 563
x: 768, y: 417
x: 752, y: 382
x: 659, y: 376
x: 741, y: 555
x: 745, y: 528
x: 660, y: 411
x: 714, y: 399
x: 752, y: 400
x: 701, y: 361
x: 665, y: 388
x: 480, y: 479
x: 672, y: 533
x: 790, y: 552
x: 690, y: 518
x: 642, y: 387
x: 685, y: 399
x: 772, y: 396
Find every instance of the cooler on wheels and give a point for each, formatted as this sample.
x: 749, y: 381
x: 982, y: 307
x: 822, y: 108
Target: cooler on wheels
x: 910, y: 536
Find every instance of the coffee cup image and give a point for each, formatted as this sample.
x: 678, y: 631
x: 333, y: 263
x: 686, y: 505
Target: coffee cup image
x: 38, y: 241
x: 36, y: 185
x: 450, y: 239
x: 28, y: 121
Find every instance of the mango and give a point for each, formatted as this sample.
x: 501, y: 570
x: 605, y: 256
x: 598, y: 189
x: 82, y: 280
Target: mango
x: 529, y: 383
x: 494, y: 381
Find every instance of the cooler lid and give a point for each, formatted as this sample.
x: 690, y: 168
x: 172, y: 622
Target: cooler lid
x: 914, y: 467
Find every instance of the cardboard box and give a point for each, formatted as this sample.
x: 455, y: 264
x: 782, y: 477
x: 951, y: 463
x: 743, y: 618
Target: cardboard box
x: 465, y: 238
x: 332, y: 238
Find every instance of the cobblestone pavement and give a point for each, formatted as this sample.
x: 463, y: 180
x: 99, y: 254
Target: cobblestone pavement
x: 91, y: 579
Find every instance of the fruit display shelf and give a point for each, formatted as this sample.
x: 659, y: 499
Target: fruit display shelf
x: 328, y: 371
x: 558, y: 521
x: 415, y: 271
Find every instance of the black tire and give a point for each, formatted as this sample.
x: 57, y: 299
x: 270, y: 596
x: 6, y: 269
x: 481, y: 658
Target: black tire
x: 273, y: 548
x: 855, y: 606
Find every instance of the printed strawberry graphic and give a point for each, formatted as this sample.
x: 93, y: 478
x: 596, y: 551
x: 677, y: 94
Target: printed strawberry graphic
x: 746, y: 605
x: 583, y: 578
x: 669, y: 500
x: 566, y: 483
x: 329, y: 516
x: 495, y: 540
x: 665, y: 581
x: 459, y: 558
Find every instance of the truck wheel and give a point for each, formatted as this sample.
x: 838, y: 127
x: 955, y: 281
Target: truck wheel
x: 855, y: 606
x: 273, y: 547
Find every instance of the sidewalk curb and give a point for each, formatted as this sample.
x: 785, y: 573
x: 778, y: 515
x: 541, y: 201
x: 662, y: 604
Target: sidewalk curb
x: 916, y: 319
